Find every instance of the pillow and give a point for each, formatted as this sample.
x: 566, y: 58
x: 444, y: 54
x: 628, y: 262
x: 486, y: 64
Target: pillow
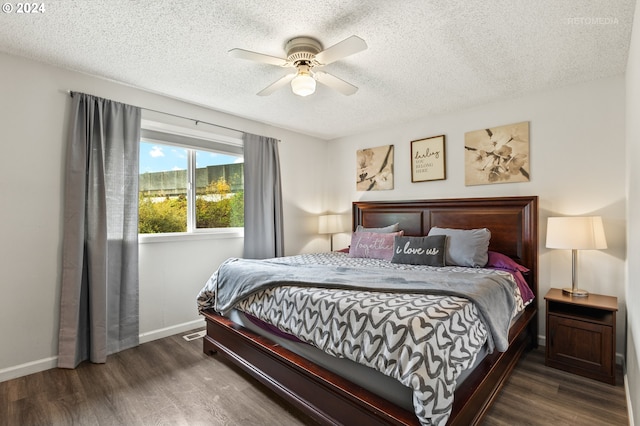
x: 505, y: 263
x: 525, y: 291
x: 384, y: 230
x: 465, y: 247
x: 419, y: 250
x: 501, y: 261
x: 373, y: 245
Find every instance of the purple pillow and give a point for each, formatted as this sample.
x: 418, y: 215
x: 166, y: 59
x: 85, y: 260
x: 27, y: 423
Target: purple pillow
x: 373, y: 245
x: 505, y: 263
x: 500, y: 261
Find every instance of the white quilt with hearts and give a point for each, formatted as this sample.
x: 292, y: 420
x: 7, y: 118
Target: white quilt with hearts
x: 424, y: 341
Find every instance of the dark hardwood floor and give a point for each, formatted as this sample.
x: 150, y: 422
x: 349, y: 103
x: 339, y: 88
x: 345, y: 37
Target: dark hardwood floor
x: 171, y: 382
x: 540, y: 395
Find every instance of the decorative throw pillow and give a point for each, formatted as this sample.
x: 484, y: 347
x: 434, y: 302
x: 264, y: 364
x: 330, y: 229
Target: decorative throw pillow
x: 419, y: 250
x: 505, y: 263
x: 384, y: 230
x: 501, y: 261
x: 465, y: 247
x: 373, y: 245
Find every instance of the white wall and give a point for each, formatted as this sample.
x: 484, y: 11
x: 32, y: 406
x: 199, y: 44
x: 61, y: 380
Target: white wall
x: 633, y: 222
x: 577, y: 153
x: 33, y: 114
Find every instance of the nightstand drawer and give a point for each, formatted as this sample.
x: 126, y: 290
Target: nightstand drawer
x: 580, y: 347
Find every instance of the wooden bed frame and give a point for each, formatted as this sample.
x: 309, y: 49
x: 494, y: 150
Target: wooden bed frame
x: 330, y: 399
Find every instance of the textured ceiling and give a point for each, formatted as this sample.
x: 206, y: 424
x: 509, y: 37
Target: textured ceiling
x: 424, y: 56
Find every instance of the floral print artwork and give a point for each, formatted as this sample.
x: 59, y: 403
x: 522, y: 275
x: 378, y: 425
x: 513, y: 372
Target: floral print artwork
x: 375, y: 169
x: 497, y: 155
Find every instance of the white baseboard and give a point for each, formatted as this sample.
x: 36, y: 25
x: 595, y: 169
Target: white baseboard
x: 542, y: 340
x: 52, y: 362
x: 170, y: 331
x: 28, y: 368
x: 629, y: 404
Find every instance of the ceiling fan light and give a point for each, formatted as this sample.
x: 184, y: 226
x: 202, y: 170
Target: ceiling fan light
x: 303, y: 84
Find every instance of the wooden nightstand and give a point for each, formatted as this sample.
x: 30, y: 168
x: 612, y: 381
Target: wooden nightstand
x: 581, y: 334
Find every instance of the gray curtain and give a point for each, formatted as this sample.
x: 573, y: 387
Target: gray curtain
x: 263, y: 224
x: 99, y: 297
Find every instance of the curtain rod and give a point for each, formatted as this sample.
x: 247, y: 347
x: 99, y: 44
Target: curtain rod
x: 70, y: 93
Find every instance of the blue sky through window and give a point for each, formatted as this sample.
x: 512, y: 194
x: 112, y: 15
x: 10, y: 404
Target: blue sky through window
x: 155, y: 157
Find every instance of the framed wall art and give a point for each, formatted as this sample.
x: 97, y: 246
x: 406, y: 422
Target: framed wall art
x: 497, y: 155
x: 374, y: 168
x: 428, y: 159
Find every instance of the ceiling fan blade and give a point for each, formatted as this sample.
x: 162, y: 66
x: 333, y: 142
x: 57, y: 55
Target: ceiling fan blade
x: 346, y: 47
x: 258, y: 57
x: 276, y: 85
x: 335, y: 83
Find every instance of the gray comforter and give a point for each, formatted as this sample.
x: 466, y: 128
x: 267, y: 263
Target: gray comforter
x: 492, y: 294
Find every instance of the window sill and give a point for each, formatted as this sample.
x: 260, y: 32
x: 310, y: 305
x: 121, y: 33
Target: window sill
x: 190, y: 236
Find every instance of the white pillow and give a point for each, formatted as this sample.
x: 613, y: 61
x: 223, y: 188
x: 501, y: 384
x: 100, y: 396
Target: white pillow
x: 465, y: 247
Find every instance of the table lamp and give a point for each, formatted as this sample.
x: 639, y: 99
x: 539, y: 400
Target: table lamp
x: 330, y: 224
x: 575, y: 233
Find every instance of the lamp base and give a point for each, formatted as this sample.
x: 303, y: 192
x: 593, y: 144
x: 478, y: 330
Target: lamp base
x: 575, y: 292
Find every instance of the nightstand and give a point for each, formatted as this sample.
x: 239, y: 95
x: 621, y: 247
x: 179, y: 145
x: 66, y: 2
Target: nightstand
x: 581, y: 334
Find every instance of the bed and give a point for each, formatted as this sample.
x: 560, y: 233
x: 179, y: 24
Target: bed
x: 329, y: 398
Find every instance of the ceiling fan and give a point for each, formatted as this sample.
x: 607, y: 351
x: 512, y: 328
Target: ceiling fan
x: 305, y: 54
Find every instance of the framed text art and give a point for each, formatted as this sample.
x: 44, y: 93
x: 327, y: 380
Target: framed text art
x: 428, y: 159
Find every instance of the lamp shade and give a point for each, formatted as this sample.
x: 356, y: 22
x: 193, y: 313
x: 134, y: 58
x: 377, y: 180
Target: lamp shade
x: 330, y: 224
x: 576, y: 233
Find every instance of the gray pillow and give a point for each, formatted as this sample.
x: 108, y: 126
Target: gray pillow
x: 465, y: 247
x: 384, y: 230
x: 419, y: 250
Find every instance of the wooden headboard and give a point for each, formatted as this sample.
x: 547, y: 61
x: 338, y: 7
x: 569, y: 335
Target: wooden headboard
x: 513, y: 222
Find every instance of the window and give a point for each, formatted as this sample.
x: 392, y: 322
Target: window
x: 188, y: 184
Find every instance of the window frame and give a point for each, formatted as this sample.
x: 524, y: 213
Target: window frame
x: 192, y: 141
